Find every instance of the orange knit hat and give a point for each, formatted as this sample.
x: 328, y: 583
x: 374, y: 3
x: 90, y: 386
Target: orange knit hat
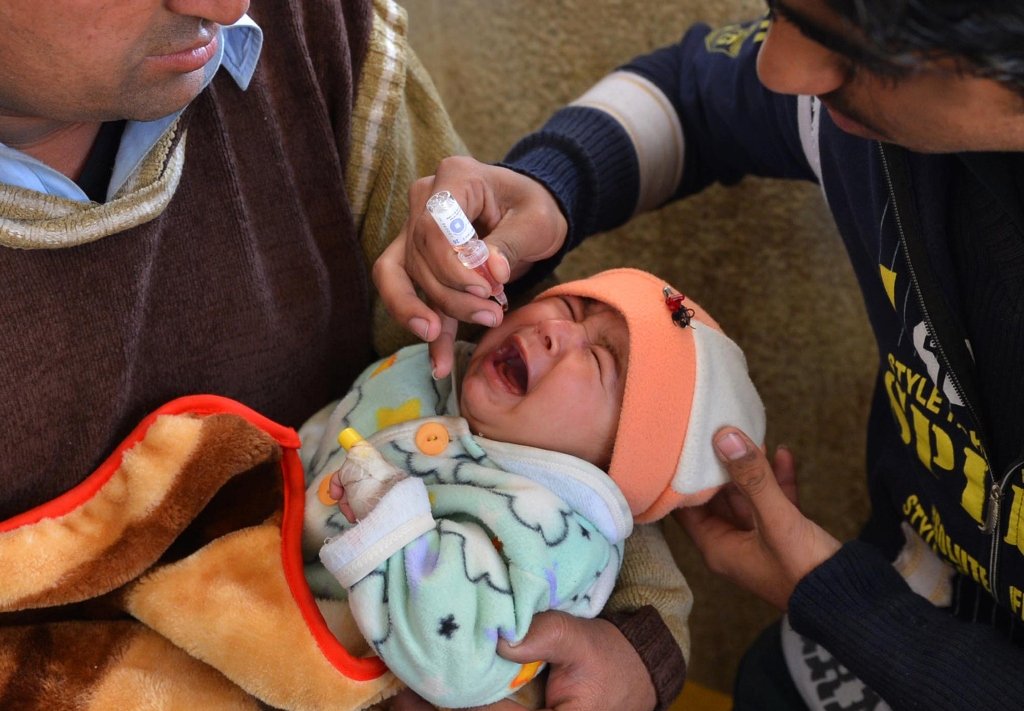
x: 682, y: 384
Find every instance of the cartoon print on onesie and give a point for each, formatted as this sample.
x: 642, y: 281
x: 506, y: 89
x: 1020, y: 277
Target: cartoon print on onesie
x: 499, y: 543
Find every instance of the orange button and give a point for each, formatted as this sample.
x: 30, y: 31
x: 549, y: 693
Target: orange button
x: 323, y: 492
x: 526, y: 673
x: 432, y: 438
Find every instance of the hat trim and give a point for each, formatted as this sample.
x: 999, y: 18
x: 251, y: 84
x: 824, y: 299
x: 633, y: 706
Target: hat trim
x: 715, y: 405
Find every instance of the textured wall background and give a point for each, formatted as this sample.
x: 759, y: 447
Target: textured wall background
x: 762, y: 257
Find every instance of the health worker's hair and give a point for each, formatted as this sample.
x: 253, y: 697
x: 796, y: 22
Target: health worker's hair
x: 986, y: 37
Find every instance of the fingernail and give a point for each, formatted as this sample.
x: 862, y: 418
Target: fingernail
x: 504, y: 258
x: 731, y: 446
x: 484, y: 318
x: 433, y: 370
x: 419, y: 326
x: 477, y: 291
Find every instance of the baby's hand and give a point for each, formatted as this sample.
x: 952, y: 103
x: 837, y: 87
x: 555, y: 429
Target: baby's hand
x: 363, y: 479
x: 337, y: 491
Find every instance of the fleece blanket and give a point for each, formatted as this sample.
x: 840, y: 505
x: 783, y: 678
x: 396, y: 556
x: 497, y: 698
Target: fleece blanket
x: 172, y: 578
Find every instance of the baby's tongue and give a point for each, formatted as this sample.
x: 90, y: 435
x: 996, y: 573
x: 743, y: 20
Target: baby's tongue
x: 510, y: 366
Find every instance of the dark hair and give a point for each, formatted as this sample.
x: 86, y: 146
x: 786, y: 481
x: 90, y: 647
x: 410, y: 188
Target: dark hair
x: 986, y: 37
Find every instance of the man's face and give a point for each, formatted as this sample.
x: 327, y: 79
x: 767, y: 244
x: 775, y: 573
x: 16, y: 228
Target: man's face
x: 98, y: 60
x: 934, y: 109
x: 551, y: 376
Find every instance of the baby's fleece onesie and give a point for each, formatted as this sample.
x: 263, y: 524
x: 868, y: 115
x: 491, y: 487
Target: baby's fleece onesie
x: 481, y: 536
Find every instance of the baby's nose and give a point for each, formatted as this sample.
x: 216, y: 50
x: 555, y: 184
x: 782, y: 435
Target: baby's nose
x: 558, y: 335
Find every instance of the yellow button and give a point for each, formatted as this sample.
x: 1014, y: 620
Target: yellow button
x: 432, y: 438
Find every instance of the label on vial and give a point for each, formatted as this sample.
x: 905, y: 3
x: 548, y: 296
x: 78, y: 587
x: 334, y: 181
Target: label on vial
x: 451, y: 219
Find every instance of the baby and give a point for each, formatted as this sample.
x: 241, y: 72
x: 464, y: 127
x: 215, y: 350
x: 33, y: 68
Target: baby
x: 519, y: 477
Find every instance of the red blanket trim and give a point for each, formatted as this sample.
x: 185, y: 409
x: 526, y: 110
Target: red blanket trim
x: 291, y: 523
x: 291, y: 558
x: 195, y: 404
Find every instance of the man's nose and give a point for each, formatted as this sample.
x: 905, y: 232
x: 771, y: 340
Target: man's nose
x: 790, y: 63
x: 223, y: 12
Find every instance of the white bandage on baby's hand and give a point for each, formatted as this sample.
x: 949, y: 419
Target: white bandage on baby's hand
x: 366, y: 476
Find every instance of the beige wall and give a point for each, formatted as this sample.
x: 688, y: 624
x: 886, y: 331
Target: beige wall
x: 762, y: 257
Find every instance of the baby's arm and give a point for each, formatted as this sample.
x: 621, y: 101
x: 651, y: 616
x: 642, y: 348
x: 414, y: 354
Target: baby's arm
x: 490, y: 558
x: 363, y: 478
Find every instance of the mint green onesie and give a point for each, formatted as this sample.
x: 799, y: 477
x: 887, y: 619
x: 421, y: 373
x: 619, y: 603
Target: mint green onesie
x: 479, y: 538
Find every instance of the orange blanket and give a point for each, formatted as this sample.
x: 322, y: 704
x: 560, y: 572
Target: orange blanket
x: 172, y: 578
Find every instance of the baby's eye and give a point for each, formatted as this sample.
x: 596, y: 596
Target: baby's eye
x: 605, y: 359
x: 568, y: 303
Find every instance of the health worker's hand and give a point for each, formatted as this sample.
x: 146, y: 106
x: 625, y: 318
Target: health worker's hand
x: 522, y: 225
x: 752, y: 532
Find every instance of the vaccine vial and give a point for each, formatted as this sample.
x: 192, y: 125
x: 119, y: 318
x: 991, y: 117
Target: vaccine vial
x: 471, y: 250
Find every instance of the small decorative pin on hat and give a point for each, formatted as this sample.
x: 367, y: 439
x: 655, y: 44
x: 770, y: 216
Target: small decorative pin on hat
x: 681, y: 314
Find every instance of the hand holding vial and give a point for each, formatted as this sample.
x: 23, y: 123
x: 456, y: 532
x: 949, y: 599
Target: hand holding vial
x: 471, y: 250
x: 427, y: 291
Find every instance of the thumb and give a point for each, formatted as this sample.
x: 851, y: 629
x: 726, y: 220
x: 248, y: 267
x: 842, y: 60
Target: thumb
x: 550, y: 633
x: 507, y: 259
x: 500, y: 263
x: 753, y: 474
x: 519, y: 241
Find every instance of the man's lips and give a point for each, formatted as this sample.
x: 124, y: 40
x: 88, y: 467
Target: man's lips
x: 192, y: 57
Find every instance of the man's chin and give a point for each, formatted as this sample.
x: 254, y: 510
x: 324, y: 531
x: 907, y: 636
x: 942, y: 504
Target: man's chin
x: 852, y: 126
x: 157, y: 103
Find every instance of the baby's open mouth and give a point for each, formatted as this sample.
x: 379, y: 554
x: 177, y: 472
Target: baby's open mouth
x: 511, y: 368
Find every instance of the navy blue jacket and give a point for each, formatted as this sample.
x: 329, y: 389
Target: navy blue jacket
x: 936, y: 243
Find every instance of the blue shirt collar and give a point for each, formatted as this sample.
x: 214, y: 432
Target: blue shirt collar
x: 243, y: 42
x: 237, y: 53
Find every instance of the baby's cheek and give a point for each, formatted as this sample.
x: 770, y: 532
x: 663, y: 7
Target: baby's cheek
x: 473, y: 407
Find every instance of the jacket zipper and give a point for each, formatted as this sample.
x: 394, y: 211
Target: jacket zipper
x: 995, y: 493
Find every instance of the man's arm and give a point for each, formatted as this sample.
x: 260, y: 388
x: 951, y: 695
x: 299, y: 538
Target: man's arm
x: 856, y: 604
x: 651, y: 606
x: 664, y: 126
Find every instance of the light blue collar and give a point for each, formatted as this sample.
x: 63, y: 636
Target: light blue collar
x: 238, y: 53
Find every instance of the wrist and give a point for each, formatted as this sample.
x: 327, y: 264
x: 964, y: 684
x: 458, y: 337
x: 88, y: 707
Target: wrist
x: 658, y: 651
